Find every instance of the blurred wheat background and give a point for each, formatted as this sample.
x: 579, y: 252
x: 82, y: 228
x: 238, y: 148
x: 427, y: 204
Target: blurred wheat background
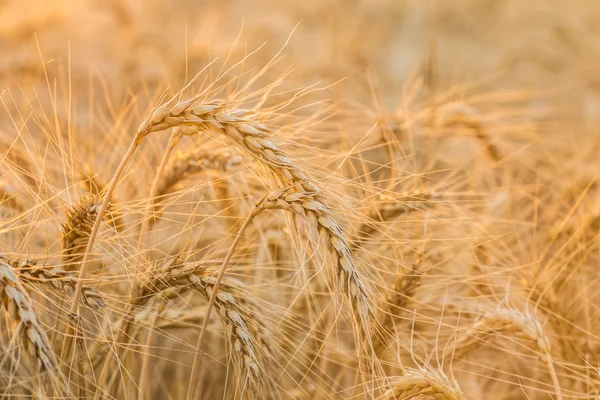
x: 337, y: 199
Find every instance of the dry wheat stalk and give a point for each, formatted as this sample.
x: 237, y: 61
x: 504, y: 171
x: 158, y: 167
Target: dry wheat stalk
x: 310, y: 207
x: 424, y: 382
x: 58, y: 279
x: 18, y: 306
x: 77, y: 229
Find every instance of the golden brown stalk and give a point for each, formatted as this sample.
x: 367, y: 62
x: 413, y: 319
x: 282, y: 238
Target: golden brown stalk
x: 19, y: 308
x: 309, y: 206
x: 77, y: 229
x: 58, y: 279
x: 418, y: 383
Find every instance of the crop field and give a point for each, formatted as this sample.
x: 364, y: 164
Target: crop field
x: 334, y: 199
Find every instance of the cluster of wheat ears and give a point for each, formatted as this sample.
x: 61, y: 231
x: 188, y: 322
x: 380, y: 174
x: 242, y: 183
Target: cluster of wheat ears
x: 253, y: 240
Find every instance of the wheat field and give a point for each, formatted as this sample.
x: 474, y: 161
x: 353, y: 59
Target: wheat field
x: 337, y: 199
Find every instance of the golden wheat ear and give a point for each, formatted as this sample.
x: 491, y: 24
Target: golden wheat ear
x: 423, y: 383
x: 58, y: 279
x: 239, y: 314
x: 20, y: 309
x: 78, y: 227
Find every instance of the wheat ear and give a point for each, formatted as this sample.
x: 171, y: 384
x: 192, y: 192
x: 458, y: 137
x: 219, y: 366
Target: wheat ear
x: 78, y: 227
x: 387, y: 211
x: 515, y: 323
x: 234, y: 309
x: 18, y: 305
x: 192, y: 161
x: 398, y: 298
x: 309, y: 206
x: 418, y: 383
x: 60, y: 280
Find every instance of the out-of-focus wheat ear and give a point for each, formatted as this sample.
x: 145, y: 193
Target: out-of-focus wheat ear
x: 396, y: 301
x: 319, y: 216
x: 424, y: 383
x: 77, y: 229
x: 189, y: 162
x: 388, y: 209
x: 97, y: 188
x: 463, y: 115
x: 59, y: 280
x: 20, y: 309
x: 511, y: 322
